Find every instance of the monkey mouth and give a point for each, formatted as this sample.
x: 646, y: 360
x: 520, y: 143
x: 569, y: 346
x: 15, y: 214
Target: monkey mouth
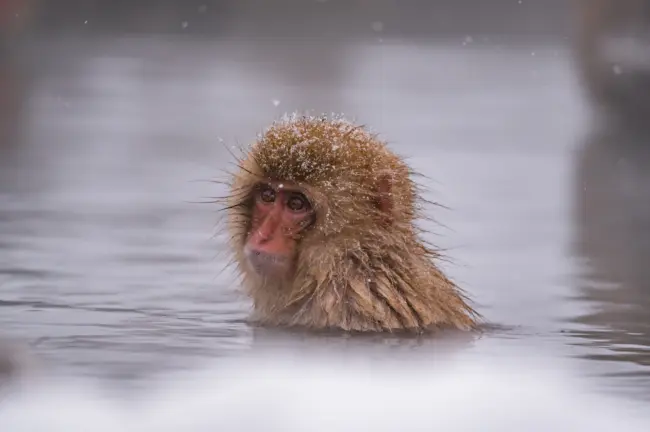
x: 267, y: 264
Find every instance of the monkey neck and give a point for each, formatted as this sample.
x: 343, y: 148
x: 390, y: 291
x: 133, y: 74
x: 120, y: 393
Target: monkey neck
x: 383, y: 283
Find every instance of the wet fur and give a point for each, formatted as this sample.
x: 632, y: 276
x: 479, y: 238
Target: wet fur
x: 357, y: 268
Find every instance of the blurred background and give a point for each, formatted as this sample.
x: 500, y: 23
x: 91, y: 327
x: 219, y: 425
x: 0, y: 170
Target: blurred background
x: 530, y: 117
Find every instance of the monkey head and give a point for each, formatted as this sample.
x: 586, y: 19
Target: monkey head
x: 312, y: 180
x: 320, y: 210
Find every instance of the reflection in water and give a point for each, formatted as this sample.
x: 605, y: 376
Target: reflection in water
x: 613, y: 238
x: 446, y: 344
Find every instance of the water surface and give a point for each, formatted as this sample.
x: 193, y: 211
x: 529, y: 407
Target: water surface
x: 110, y: 267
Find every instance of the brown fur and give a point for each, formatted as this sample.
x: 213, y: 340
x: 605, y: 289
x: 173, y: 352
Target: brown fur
x: 356, y: 269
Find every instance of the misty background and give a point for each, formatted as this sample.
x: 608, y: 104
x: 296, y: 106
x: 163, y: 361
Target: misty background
x: 115, y: 115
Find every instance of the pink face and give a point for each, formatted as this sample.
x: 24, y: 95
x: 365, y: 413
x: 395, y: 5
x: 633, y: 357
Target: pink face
x: 280, y: 212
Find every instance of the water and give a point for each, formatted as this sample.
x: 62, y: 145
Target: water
x: 111, y: 267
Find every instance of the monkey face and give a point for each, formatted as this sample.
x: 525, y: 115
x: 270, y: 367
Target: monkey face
x: 280, y: 212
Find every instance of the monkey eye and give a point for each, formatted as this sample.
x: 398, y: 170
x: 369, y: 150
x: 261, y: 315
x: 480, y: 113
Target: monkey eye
x: 267, y: 194
x: 298, y: 202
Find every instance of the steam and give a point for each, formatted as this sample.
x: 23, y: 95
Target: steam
x: 298, y: 392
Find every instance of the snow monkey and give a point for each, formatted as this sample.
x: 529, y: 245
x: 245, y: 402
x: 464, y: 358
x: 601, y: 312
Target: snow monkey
x: 321, y: 217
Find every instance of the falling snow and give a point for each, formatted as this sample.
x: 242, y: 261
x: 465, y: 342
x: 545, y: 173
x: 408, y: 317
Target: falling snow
x: 320, y: 149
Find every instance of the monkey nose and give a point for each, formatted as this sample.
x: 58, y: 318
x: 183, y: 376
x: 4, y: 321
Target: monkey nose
x: 264, y: 235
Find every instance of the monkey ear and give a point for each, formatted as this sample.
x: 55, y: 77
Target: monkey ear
x: 385, y: 197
